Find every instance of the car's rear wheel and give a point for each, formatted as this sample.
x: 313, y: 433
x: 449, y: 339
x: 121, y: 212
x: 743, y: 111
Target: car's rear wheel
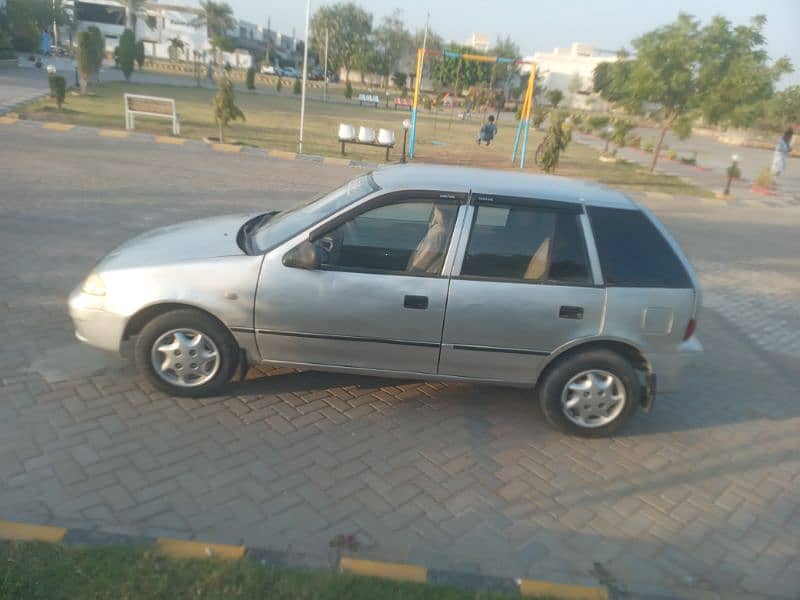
x: 590, y: 394
x: 186, y: 353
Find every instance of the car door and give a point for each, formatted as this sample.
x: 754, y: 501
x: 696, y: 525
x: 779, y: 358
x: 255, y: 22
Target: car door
x: 522, y: 286
x: 378, y: 297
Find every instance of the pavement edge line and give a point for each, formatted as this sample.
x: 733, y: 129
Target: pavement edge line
x: 384, y: 570
x: 29, y: 532
x: 550, y: 589
x: 176, y: 548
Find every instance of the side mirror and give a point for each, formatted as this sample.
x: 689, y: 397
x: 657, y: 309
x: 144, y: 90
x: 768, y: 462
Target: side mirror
x: 303, y: 256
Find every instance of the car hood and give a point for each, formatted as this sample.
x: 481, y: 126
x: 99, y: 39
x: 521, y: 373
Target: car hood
x: 193, y: 240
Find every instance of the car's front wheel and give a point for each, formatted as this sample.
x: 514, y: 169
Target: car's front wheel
x: 590, y: 394
x: 186, y: 353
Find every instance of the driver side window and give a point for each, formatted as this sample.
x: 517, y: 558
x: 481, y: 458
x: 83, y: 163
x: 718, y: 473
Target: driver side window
x: 406, y: 237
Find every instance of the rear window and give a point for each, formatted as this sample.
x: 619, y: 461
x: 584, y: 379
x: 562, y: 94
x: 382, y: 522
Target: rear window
x: 633, y: 252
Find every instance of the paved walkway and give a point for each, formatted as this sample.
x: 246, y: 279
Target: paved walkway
x: 698, y: 499
x: 711, y: 178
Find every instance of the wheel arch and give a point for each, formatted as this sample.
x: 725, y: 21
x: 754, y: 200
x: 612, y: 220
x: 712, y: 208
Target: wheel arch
x: 143, y: 316
x: 625, y: 348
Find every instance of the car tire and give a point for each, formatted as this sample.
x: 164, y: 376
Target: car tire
x: 186, y: 353
x: 597, y: 377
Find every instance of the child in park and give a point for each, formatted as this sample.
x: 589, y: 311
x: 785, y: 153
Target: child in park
x: 488, y: 131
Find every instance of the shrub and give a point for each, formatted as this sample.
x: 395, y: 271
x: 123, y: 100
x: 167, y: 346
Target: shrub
x: 635, y: 141
x: 765, y: 178
x: 139, y: 55
x: 555, y: 141
x: 598, y: 122
x: 126, y: 52
x: 298, y: 86
x: 622, y: 128
x: 648, y: 147
x: 279, y: 85
x: 672, y: 154
x: 427, y: 103
x: 250, y: 80
x: 225, y: 109
x: 58, y: 89
x: 538, y: 117
x: 348, y: 90
x: 689, y: 160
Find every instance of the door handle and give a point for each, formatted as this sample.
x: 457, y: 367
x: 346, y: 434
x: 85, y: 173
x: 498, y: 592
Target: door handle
x: 420, y: 302
x: 570, y: 312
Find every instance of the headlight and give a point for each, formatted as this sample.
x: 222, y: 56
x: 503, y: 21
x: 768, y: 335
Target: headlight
x: 94, y: 285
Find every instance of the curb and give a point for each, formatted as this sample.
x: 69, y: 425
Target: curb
x: 13, y: 119
x: 181, y: 549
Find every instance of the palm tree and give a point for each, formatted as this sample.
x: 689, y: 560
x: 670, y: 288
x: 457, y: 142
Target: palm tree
x: 176, y: 46
x: 216, y: 16
x: 131, y: 8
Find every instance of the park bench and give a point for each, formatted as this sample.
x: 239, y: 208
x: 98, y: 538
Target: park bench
x: 366, y: 137
x: 151, y: 106
x: 403, y: 102
x: 372, y: 99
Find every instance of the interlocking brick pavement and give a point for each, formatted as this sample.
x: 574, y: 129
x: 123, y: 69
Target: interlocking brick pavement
x: 702, y: 495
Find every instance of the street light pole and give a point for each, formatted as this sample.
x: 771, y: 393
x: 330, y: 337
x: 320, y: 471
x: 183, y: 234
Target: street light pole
x: 325, y: 92
x: 305, y: 78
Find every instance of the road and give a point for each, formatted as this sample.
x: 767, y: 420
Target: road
x: 700, y: 496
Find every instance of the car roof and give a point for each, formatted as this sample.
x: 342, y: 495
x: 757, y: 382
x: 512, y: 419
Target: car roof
x: 499, y: 183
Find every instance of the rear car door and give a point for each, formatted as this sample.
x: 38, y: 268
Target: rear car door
x: 377, y: 299
x: 521, y: 287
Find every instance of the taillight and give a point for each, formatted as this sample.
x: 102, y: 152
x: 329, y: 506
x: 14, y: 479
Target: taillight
x: 690, y: 329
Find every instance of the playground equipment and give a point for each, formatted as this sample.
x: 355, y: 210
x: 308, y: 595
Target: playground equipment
x: 527, y: 107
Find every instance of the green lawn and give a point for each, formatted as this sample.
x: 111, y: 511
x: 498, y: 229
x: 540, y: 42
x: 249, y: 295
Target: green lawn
x: 33, y: 571
x: 273, y: 122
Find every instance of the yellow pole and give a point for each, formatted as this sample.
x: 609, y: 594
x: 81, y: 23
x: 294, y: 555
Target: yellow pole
x: 526, y: 122
x: 412, y: 135
x: 529, y: 92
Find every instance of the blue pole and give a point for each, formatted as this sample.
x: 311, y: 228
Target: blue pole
x: 516, y: 141
x: 524, y: 146
x: 413, y: 133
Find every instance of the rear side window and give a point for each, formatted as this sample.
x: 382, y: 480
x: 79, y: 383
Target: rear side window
x: 633, y: 252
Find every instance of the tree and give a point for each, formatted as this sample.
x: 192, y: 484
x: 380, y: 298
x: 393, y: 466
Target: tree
x: 399, y: 79
x: 297, y: 88
x: 505, y: 48
x: 451, y: 70
x: 250, y: 80
x: 220, y: 44
x: 392, y: 42
x: 554, y: 142
x: 25, y: 19
x: 126, y: 53
x: 348, y: 28
x: 225, y: 109
x: 131, y: 8
x: 720, y: 73
x: 139, y: 53
x: 91, y: 47
x: 216, y: 16
x: 622, y: 127
x: 784, y: 108
x: 176, y: 46
x: 554, y: 97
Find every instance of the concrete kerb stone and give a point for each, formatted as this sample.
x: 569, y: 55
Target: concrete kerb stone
x: 178, y: 548
x: 13, y: 119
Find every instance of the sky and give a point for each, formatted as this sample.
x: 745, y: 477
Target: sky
x: 605, y: 24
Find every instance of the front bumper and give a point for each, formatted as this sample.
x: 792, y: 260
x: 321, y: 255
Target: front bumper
x: 671, y: 367
x: 93, y: 324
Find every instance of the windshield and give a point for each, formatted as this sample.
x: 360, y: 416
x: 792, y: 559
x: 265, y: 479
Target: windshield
x: 283, y: 226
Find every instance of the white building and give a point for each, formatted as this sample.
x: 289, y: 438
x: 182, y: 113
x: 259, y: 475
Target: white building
x: 479, y: 41
x: 571, y: 70
x: 156, y: 25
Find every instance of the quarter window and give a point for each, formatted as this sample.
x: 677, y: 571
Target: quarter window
x: 527, y: 244
x: 633, y: 252
x: 407, y: 237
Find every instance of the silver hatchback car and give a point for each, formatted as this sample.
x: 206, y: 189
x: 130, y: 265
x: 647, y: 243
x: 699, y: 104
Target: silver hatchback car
x: 565, y: 287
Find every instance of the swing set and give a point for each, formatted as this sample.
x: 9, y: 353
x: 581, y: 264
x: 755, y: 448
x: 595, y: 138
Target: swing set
x: 521, y: 137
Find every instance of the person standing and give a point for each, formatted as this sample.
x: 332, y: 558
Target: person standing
x: 782, y: 151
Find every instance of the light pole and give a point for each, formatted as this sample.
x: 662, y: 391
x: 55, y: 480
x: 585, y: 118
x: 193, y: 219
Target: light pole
x: 325, y: 74
x: 305, y: 78
x: 406, y: 125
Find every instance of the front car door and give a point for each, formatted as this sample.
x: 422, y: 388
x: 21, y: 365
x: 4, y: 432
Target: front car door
x: 522, y: 286
x: 378, y: 298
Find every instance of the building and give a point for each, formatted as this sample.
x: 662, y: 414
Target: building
x: 157, y: 25
x: 571, y: 70
x: 479, y: 41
